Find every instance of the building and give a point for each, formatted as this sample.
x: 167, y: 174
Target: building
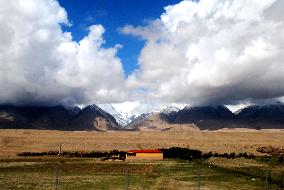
x: 144, y: 155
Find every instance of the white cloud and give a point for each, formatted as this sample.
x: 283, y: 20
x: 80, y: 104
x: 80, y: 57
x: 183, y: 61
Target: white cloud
x: 208, y: 51
x: 42, y: 64
x: 213, y: 51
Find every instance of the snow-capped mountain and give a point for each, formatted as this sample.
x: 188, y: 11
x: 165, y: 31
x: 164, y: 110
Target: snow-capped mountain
x: 141, y: 117
x: 122, y: 118
x: 169, y: 109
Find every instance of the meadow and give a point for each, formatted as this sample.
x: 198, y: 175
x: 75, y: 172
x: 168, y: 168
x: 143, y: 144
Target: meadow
x: 14, y: 141
x: 67, y: 173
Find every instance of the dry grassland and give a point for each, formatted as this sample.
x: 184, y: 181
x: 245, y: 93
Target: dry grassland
x: 15, y: 141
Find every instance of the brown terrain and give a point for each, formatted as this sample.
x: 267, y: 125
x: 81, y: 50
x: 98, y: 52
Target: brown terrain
x: 156, y: 123
x: 13, y: 141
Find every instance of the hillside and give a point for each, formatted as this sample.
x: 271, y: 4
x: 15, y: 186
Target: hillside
x: 213, y: 118
x: 94, y: 118
x: 56, y: 118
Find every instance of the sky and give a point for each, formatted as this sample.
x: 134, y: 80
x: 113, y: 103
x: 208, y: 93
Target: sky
x: 141, y: 55
x: 113, y: 14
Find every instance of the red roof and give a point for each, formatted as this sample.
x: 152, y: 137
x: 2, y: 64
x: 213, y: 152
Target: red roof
x: 145, y: 151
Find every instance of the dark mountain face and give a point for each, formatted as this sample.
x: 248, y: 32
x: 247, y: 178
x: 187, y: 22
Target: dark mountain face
x: 204, y: 117
x: 55, y: 118
x: 195, y: 114
x: 216, y: 117
x: 36, y: 117
x: 262, y: 117
x: 266, y: 112
x: 58, y: 117
x: 10, y: 118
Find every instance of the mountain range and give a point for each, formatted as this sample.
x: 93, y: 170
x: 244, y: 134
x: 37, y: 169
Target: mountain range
x: 215, y: 117
x: 90, y: 118
x: 106, y: 118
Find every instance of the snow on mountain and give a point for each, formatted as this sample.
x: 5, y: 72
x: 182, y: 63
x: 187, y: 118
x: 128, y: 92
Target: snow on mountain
x: 169, y: 109
x: 172, y: 108
x: 125, y: 118
x: 111, y: 110
x: 141, y: 117
x: 122, y: 118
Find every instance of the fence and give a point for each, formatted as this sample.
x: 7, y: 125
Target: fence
x: 138, y: 175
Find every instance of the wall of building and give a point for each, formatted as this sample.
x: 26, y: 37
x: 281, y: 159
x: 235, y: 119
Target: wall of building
x: 146, y: 156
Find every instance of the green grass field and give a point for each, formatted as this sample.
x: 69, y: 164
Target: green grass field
x: 73, y: 173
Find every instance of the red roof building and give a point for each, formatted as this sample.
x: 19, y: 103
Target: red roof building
x: 144, y: 155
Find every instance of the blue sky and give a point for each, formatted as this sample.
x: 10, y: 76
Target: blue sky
x: 113, y: 14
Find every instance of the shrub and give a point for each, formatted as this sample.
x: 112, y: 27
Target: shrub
x: 182, y: 153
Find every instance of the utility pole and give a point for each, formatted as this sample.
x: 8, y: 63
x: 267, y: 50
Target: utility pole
x: 59, y: 151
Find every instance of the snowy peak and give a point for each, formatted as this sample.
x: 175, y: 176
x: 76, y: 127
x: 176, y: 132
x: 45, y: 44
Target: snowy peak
x: 141, y: 117
x: 172, y: 108
x: 108, y: 108
x: 169, y: 109
x: 117, y: 115
x: 122, y: 118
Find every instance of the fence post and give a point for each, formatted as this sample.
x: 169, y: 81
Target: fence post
x: 126, y: 179
x: 267, y: 179
x: 55, y: 179
x: 199, y: 178
x: 282, y: 180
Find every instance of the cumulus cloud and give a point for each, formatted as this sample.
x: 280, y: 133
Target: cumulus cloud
x: 212, y: 51
x: 41, y: 64
x: 209, y: 51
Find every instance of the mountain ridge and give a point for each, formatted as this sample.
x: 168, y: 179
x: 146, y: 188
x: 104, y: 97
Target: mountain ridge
x: 56, y: 118
x: 94, y: 118
x: 214, y: 117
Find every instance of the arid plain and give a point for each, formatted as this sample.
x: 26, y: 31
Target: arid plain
x: 14, y: 141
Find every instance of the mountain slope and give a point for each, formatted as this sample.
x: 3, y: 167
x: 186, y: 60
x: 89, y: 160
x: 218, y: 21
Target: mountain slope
x: 93, y: 117
x: 155, y: 122
x: 159, y: 121
x: 56, y: 118
x: 213, y: 118
x: 11, y: 118
x: 265, y: 112
x: 259, y: 117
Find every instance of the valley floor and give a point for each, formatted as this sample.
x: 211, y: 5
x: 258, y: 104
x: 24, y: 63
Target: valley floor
x: 14, y: 141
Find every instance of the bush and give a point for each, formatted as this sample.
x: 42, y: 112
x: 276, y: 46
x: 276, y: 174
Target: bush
x: 229, y: 156
x: 91, y: 154
x: 280, y: 160
x: 182, y: 153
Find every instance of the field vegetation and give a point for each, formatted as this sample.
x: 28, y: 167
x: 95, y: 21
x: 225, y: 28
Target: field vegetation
x: 85, y: 173
x: 193, y: 160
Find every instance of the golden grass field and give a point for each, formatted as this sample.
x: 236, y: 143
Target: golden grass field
x: 13, y: 141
